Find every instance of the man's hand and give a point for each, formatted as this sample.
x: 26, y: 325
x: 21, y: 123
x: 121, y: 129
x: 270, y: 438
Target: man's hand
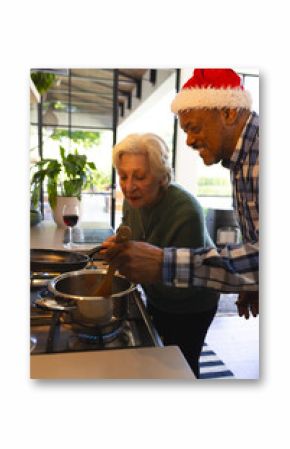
x: 248, y: 302
x: 140, y: 262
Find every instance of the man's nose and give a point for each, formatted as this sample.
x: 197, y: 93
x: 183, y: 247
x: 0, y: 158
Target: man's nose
x: 190, y: 140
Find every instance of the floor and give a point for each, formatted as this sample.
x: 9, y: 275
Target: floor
x: 235, y: 340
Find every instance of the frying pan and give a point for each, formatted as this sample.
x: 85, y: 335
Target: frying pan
x: 49, y: 260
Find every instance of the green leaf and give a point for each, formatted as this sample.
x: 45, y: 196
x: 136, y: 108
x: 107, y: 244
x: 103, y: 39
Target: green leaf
x: 43, y: 80
x: 85, y: 138
x: 52, y: 192
x: 73, y: 187
x: 71, y: 174
x: 35, y: 195
x: 62, y: 152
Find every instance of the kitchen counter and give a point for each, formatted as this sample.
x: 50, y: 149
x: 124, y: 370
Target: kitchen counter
x: 137, y: 363
x: 47, y: 235
x: 128, y: 363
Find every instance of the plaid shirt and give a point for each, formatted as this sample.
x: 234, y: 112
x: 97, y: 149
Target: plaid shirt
x: 235, y: 267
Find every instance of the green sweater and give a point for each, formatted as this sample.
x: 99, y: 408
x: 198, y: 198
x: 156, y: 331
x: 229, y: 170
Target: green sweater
x: 176, y: 221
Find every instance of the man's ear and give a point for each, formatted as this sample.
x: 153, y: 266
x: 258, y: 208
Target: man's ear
x: 229, y: 116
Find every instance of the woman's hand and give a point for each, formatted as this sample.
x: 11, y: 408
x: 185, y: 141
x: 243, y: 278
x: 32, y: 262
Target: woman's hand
x: 138, y: 261
x: 107, y: 243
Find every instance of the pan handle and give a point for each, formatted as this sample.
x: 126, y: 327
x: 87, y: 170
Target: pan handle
x: 124, y: 233
x: 93, y: 251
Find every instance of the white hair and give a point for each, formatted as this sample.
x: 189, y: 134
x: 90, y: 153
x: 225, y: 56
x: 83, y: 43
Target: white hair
x: 153, y: 146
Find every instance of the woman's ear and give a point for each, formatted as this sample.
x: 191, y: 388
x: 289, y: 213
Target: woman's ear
x: 163, y: 181
x: 229, y: 116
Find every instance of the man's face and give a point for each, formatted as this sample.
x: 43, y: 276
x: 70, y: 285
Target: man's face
x: 206, y: 133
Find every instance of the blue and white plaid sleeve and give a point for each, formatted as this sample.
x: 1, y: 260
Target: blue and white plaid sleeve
x: 234, y: 268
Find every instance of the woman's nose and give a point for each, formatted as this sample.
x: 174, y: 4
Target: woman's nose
x: 130, y: 185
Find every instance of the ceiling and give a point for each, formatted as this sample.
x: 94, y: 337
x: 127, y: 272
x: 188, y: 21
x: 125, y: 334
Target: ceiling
x: 89, y: 93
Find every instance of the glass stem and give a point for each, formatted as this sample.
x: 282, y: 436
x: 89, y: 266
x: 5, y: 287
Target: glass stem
x: 70, y: 235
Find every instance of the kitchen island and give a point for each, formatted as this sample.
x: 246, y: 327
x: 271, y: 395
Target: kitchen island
x: 148, y: 362
x: 138, y: 363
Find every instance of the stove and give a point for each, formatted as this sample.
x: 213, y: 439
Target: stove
x: 53, y: 329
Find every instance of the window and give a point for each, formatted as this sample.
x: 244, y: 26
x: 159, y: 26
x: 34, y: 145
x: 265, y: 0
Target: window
x: 88, y: 102
x: 72, y: 118
x: 96, y: 145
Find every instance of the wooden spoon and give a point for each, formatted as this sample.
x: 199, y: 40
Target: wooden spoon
x: 106, y: 286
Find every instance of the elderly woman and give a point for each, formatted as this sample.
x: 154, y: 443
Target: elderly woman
x: 164, y: 214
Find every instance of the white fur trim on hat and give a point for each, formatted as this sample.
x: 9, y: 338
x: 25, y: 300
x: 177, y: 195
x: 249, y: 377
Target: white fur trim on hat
x: 211, y: 98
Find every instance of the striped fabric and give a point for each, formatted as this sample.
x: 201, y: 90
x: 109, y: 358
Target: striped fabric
x: 211, y: 367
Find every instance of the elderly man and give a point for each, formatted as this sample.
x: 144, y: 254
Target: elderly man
x: 214, y: 110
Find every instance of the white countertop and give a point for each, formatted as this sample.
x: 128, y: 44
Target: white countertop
x: 46, y: 235
x: 134, y: 363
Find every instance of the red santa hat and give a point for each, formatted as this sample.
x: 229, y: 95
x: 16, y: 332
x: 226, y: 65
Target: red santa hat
x: 212, y: 88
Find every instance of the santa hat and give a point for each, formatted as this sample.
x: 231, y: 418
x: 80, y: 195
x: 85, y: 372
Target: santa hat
x: 212, y: 88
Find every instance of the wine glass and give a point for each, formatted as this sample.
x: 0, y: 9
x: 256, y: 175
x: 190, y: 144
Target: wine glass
x: 70, y: 214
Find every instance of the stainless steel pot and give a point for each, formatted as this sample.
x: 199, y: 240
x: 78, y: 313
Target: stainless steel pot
x: 74, y: 287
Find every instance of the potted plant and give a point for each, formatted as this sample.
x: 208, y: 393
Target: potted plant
x: 42, y: 81
x: 66, y: 178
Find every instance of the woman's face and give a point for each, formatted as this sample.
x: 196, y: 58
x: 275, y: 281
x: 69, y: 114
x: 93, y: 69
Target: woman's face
x: 139, y: 186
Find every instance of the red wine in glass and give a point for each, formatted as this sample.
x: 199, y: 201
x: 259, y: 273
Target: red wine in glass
x: 70, y: 214
x: 70, y: 220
